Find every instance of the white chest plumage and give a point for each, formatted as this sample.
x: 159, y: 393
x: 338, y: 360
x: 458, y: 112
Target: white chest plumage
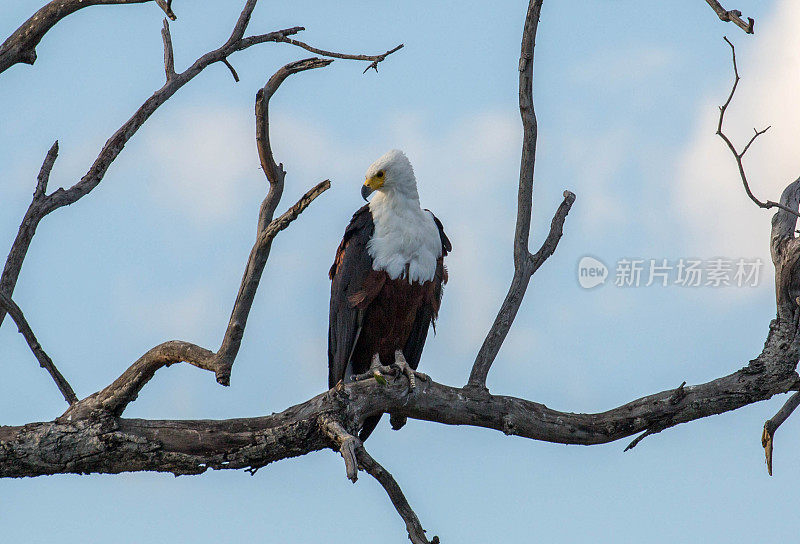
x: 405, y: 236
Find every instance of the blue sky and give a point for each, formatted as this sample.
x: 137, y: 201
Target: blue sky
x: 626, y: 95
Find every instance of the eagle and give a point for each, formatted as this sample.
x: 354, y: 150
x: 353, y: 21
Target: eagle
x: 386, y: 282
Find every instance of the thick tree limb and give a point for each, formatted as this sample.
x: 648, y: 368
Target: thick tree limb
x: 734, y: 16
x: 191, y: 447
x: 44, y: 360
x: 20, y: 47
x: 739, y: 155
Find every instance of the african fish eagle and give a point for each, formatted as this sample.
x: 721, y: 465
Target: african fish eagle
x: 387, y: 281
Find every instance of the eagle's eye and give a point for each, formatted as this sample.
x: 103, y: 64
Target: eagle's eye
x: 380, y: 173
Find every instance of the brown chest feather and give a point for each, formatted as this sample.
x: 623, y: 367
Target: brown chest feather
x: 390, y: 309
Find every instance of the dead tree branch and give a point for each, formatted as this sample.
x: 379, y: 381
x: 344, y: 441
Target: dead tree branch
x: 734, y: 16
x: 739, y: 155
x: 415, y: 531
x: 124, y: 390
x: 20, y: 47
x: 90, y: 439
x: 45, y: 204
x: 374, y: 58
x: 525, y: 264
x: 169, y: 54
x: 44, y: 360
x: 356, y: 456
x: 772, y: 425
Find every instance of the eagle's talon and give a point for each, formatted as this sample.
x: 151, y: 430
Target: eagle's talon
x: 403, y: 367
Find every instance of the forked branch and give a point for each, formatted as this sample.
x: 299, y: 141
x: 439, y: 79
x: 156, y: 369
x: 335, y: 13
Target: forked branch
x: 525, y: 264
x: 739, y: 155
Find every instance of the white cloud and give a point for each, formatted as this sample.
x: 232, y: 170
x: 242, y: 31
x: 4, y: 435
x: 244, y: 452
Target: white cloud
x: 203, y: 166
x: 621, y: 66
x: 709, y: 193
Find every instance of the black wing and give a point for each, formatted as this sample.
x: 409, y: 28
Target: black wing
x: 427, y: 314
x: 350, y: 268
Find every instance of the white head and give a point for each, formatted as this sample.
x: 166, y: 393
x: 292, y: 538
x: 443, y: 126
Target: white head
x: 392, y: 173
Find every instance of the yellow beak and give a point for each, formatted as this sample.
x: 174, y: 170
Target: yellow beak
x: 370, y: 185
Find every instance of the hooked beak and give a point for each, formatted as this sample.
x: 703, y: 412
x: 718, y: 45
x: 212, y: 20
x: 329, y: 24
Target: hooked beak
x: 366, y: 190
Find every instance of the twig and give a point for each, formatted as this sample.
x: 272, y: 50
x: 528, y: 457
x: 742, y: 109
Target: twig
x: 556, y: 231
x: 639, y: 438
x: 27, y: 228
x: 169, y: 54
x: 733, y: 16
x: 44, y: 360
x: 232, y: 69
x: 739, y: 156
x: 317, y: 51
x: 768, y: 435
x: 44, y: 174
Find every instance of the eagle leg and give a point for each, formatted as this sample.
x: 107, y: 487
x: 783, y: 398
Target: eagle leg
x: 377, y: 371
x: 402, y: 365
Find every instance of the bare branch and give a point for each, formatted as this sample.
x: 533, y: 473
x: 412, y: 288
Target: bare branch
x: 20, y: 47
x: 522, y: 259
x: 232, y: 70
x: 169, y: 54
x: 113, y: 147
x: 267, y: 229
x: 376, y: 59
x: 16, y: 256
x: 355, y: 456
x: 733, y: 16
x: 556, y: 231
x: 166, y: 5
x: 519, y: 284
x: 44, y: 360
x: 124, y: 390
x: 768, y: 435
x: 415, y: 531
x: 739, y: 156
x: 44, y: 174
x: 346, y: 443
